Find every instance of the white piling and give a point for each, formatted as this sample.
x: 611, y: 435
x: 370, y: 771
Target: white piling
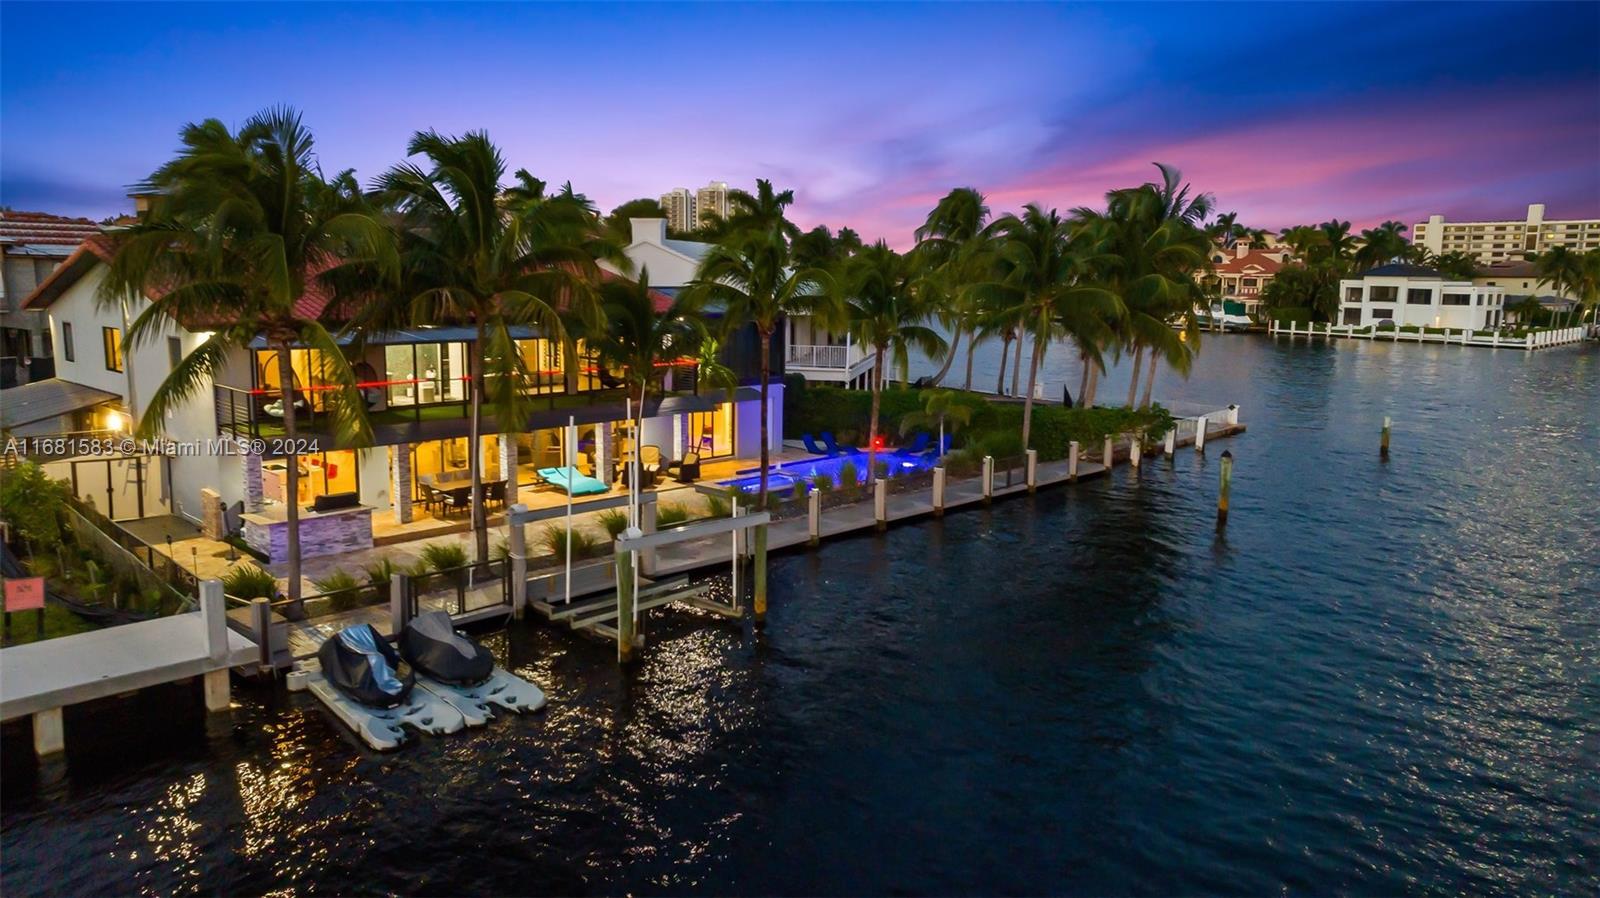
x: 1200, y: 434
x: 880, y: 502
x: 988, y: 477
x: 814, y: 516
x: 938, y: 491
x: 1108, y: 457
x: 1134, y: 450
x: 1072, y: 462
x: 1033, y: 470
x: 1169, y: 443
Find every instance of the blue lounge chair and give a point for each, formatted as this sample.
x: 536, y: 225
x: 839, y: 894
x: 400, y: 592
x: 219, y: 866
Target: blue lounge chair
x: 833, y: 447
x: 811, y: 445
x: 570, y: 480
x: 918, y: 445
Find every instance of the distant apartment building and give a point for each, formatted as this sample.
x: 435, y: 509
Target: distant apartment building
x: 32, y: 244
x: 678, y: 204
x: 710, y: 199
x: 1491, y: 242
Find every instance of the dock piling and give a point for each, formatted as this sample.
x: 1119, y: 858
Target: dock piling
x: 760, y: 605
x: 938, y: 491
x: 1170, y: 442
x: 1225, y: 474
x: 397, y: 603
x: 814, y: 516
x: 880, y: 503
x: 1072, y: 462
x: 988, y: 478
x: 1108, y: 457
x: 1200, y: 434
x: 624, y: 606
x: 49, y: 735
x: 1134, y: 450
x: 1033, y: 470
x: 261, y: 628
x: 1383, y: 440
x: 517, y: 546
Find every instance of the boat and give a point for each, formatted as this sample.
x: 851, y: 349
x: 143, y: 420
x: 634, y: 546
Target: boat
x: 1226, y: 315
x: 458, y: 671
x: 359, y: 680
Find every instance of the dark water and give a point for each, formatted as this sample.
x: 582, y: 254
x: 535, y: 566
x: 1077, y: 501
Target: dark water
x: 1384, y: 680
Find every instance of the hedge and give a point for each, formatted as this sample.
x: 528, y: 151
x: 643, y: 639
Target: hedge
x: 995, y: 426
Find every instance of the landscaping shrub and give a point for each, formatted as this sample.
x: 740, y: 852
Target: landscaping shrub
x: 444, y: 556
x: 822, y: 483
x: 716, y: 507
x: 667, y: 515
x: 344, y: 591
x: 249, y: 582
x: 613, y: 521
x: 554, y: 538
x: 849, y: 478
x: 380, y: 573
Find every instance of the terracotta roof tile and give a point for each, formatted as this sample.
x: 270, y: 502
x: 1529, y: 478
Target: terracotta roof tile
x: 44, y: 229
x: 1267, y: 263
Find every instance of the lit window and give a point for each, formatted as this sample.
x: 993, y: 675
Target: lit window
x: 112, y: 337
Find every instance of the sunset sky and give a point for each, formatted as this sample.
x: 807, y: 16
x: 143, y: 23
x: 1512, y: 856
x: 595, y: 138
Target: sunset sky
x: 1289, y: 113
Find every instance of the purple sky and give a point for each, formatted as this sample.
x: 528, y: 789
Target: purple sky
x: 1289, y: 113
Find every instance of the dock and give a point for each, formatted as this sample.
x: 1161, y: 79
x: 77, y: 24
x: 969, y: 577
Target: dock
x: 39, y: 679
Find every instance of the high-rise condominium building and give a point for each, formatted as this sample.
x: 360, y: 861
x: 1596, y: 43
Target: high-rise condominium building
x: 1504, y: 241
x: 712, y: 198
x: 679, y: 205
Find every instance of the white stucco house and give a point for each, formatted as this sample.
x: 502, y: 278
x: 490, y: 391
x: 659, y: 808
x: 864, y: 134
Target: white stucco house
x: 1411, y: 295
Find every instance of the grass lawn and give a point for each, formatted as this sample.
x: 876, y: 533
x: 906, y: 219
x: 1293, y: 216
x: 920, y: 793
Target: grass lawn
x: 58, y: 621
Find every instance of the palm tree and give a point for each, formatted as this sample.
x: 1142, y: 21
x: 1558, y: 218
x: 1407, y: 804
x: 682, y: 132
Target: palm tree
x: 939, y: 409
x: 883, y: 308
x: 1382, y: 244
x: 1043, y: 276
x: 243, y: 228
x: 642, y: 342
x: 499, y: 260
x: 953, y: 244
x: 747, y: 276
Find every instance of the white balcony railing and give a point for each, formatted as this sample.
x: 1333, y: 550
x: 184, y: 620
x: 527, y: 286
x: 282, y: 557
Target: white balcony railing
x: 807, y: 356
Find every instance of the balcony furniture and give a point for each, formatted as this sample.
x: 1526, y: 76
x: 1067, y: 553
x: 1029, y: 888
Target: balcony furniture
x: 458, y: 499
x: 833, y: 446
x: 335, y: 501
x: 569, y: 480
x: 811, y: 445
x: 686, y: 470
x: 918, y: 445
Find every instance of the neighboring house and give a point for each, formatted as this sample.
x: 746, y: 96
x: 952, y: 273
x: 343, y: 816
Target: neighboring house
x: 1518, y: 279
x: 416, y: 390
x: 1241, y: 273
x: 801, y: 346
x: 32, y: 244
x: 1491, y: 242
x: 1411, y: 295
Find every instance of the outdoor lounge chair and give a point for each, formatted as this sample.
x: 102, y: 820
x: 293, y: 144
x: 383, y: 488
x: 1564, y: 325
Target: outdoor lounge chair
x: 918, y: 445
x: 570, y: 480
x: 686, y: 470
x: 650, y: 463
x: 811, y: 445
x: 833, y: 447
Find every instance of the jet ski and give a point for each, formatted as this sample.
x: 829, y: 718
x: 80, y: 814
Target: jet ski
x: 433, y: 647
x: 361, y: 684
x: 361, y: 664
x: 462, y: 673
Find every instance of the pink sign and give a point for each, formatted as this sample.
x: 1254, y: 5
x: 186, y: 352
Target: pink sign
x: 25, y: 595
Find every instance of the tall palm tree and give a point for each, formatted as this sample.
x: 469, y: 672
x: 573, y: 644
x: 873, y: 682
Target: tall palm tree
x: 882, y: 307
x: 747, y: 276
x: 243, y: 228
x: 953, y: 245
x: 498, y: 260
x: 1044, y: 277
x: 1382, y: 244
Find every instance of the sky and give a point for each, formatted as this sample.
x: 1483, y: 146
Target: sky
x: 1288, y: 113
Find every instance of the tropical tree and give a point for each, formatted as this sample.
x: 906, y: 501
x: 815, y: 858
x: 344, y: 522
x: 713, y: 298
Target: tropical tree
x: 501, y: 261
x: 747, y: 277
x: 619, y: 222
x: 882, y: 306
x: 953, y: 246
x: 1382, y: 244
x: 244, y: 227
x: 940, y: 409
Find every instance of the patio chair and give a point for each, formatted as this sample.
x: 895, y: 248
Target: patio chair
x: 811, y: 445
x: 833, y: 446
x: 918, y: 445
x: 687, y: 469
x: 650, y: 463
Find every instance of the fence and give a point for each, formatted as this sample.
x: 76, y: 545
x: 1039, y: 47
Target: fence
x: 132, y: 557
x: 471, y: 587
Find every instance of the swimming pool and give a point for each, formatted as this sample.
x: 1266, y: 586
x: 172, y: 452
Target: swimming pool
x: 782, y: 478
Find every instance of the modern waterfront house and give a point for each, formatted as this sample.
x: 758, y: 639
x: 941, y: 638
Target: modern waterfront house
x: 804, y: 346
x: 1411, y: 295
x: 417, y: 395
x: 1491, y: 242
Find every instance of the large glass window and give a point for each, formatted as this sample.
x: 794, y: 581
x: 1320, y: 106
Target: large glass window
x: 112, y: 337
x: 1419, y: 297
x: 1458, y: 299
x: 711, y: 433
x: 1383, y: 294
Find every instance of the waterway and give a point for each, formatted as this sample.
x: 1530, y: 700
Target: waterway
x: 1383, y: 678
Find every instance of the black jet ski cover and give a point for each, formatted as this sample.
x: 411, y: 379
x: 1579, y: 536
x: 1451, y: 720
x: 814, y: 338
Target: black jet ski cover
x: 431, y: 644
x: 362, y: 665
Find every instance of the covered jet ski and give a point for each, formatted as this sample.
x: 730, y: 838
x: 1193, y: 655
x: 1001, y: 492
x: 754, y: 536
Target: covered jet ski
x: 362, y: 665
x: 431, y: 644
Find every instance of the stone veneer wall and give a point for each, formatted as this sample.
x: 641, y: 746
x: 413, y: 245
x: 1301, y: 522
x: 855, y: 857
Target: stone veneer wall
x: 328, y: 534
x: 213, y: 515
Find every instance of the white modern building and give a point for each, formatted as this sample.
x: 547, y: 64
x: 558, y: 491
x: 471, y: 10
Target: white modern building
x: 1503, y: 241
x: 807, y: 348
x: 1410, y: 295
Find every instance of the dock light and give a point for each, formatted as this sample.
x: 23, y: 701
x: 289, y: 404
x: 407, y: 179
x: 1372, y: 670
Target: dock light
x: 877, y: 441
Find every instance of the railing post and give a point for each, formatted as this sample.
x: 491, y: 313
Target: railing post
x: 398, y: 612
x: 261, y: 626
x: 1072, y: 462
x: 988, y: 477
x: 1033, y: 470
x: 1200, y: 434
x: 517, y: 546
x: 938, y: 491
x: 880, y: 502
x: 814, y: 516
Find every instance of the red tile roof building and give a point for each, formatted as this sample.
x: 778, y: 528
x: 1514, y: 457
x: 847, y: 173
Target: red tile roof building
x: 1241, y: 276
x: 32, y: 244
